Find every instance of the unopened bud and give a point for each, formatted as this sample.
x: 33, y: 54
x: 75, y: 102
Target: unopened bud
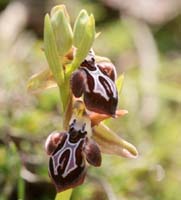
x: 84, y: 35
x: 62, y: 29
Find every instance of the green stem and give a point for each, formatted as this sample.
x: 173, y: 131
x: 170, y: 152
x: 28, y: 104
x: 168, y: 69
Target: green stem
x: 21, y: 188
x: 68, y: 113
x: 66, y: 104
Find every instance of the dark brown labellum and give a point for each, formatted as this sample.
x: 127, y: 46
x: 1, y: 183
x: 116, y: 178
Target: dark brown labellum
x: 96, y: 83
x: 67, y: 165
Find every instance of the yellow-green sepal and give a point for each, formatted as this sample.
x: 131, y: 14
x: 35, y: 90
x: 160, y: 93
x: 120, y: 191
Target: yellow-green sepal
x: 41, y: 81
x: 64, y: 195
x: 111, y: 143
x: 119, y: 83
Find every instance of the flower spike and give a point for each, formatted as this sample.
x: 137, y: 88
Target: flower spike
x: 89, y: 90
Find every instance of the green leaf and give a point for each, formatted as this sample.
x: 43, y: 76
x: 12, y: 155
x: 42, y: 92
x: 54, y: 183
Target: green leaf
x: 62, y: 29
x: 111, y: 143
x: 64, y: 195
x: 51, y: 52
x: 119, y: 83
x: 41, y: 81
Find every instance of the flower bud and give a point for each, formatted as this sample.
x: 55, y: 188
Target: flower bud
x: 51, y: 51
x: 80, y: 27
x: 84, y: 35
x: 62, y: 29
x: 60, y: 8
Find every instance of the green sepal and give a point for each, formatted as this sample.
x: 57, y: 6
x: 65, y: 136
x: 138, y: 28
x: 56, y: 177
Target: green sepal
x: 41, y: 81
x: 111, y: 143
x: 119, y: 83
x: 51, y: 52
x: 62, y: 29
x: 64, y: 195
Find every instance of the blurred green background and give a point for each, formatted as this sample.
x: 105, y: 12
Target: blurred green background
x: 143, y: 39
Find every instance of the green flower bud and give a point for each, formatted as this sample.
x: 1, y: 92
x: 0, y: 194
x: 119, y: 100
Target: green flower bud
x: 51, y: 51
x: 79, y: 27
x: 60, y: 8
x: 62, y: 29
x: 84, y: 35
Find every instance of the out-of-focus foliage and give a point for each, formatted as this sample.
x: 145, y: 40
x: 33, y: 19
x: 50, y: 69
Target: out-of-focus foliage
x: 26, y: 119
x: 3, y: 4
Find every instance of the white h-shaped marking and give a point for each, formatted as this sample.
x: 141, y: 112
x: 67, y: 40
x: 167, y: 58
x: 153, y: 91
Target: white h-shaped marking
x: 71, y: 165
x: 98, y: 87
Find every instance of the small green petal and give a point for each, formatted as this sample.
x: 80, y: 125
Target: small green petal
x: 111, y: 143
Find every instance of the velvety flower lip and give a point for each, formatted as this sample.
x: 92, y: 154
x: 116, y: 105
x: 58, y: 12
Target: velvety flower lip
x: 68, y: 152
x: 96, y: 83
